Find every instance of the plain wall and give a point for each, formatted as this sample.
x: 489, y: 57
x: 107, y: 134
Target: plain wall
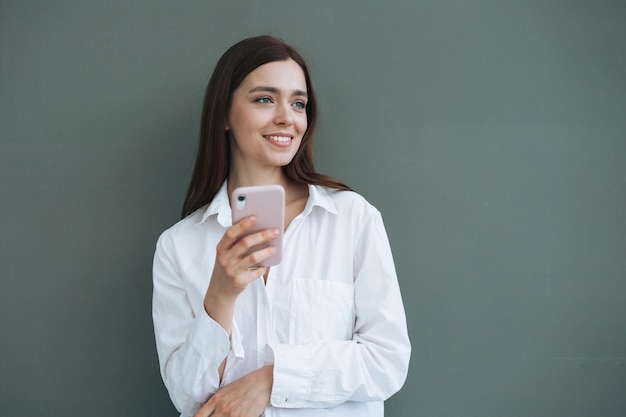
x: 490, y: 134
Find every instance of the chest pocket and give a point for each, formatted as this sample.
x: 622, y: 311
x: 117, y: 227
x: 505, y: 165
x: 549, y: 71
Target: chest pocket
x: 321, y: 309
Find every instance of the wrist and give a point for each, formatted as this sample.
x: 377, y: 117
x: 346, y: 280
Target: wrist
x: 267, y: 373
x: 221, y: 310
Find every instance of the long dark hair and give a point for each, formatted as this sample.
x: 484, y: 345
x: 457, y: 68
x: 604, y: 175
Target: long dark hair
x: 213, y: 158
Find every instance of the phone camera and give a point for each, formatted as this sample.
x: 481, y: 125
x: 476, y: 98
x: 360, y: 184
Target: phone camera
x: 241, y: 201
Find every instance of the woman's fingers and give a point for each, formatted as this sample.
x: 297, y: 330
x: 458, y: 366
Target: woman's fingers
x: 237, y: 257
x: 236, y: 244
x: 247, y: 397
x: 234, y: 233
x: 255, y: 239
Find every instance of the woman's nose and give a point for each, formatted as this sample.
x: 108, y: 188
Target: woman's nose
x: 283, y: 114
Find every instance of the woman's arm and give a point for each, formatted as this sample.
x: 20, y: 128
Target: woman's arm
x: 193, y: 350
x: 370, y: 367
x: 246, y: 397
x: 190, y: 347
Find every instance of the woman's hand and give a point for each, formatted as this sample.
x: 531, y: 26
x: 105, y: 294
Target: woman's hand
x: 246, y: 397
x: 233, y: 271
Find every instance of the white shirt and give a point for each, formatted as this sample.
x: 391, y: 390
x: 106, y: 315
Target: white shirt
x: 330, y: 318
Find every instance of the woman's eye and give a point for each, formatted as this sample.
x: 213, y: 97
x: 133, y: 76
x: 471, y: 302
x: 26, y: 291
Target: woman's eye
x: 299, y: 105
x: 264, y: 100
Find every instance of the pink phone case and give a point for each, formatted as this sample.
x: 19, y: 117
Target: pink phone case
x: 267, y: 203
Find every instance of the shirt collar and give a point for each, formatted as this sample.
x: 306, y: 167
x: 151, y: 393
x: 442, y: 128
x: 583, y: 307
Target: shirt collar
x: 220, y: 206
x: 318, y: 196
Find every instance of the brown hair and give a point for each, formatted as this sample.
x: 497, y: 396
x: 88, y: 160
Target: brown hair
x: 213, y: 158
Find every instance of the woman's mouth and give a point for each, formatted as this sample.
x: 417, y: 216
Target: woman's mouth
x: 279, y: 139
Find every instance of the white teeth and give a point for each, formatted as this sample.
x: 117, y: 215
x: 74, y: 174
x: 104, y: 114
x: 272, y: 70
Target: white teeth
x: 283, y: 139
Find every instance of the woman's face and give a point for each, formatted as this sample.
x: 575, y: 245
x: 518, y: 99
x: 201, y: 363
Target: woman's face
x: 267, y: 116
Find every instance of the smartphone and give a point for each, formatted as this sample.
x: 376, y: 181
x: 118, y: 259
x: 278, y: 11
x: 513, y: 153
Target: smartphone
x: 267, y: 203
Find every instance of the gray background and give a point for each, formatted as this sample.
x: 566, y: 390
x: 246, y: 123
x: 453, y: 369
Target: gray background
x: 490, y: 134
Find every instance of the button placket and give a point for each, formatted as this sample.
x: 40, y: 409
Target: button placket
x: 263, y: 321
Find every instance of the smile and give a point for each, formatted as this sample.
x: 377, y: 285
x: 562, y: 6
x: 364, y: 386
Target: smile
x: 281, y: 139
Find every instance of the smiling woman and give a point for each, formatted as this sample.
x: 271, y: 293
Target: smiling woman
x: 212, y: 164
x: 267, y: 120
x: 326, y: 327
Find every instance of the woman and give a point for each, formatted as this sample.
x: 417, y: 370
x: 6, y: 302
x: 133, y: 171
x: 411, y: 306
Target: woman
x: 321, y: 334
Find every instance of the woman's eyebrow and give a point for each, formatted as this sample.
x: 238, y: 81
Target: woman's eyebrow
x: 275, y: 90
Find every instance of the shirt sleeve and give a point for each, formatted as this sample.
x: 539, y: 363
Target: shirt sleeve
x: 190, y: 347
x: 370, y: 367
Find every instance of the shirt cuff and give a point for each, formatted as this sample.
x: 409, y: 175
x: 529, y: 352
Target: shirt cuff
x: 293, y: 373
x: 236, y: 353
x: 209, y: 339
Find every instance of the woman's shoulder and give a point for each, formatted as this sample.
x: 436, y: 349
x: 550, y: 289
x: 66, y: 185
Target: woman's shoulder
x: 349, y: 201
x: 184, y: 227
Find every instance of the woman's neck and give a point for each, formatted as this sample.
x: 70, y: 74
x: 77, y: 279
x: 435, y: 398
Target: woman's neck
x: 250, y: 178
x: 293, y: 191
